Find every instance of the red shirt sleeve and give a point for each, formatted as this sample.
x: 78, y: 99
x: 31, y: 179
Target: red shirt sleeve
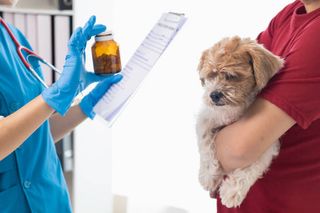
x: 296, y: 88
x: 266, y: 36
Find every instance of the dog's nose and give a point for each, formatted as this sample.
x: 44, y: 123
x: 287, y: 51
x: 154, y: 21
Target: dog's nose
x: 216, y: 96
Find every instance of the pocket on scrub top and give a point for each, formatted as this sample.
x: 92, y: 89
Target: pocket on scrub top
x: 8, y: 163
x: 8, y: 173
x: 8, y: 179
x: 9, y: 199
x: 8, y: 192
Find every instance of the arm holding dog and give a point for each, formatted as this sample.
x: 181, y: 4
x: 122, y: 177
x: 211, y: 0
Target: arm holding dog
x: 243, y: 142
x: 281, y: 105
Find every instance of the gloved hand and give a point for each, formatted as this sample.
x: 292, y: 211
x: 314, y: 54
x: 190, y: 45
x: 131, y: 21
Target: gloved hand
x: 89, y: 101
x: 61, y: 94
x: 87, y: 78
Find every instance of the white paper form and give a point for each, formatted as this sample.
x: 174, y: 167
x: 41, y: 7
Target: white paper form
x: 139, y: 65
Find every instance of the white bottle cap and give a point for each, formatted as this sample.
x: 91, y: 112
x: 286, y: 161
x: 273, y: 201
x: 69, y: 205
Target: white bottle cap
x: 105, y: 36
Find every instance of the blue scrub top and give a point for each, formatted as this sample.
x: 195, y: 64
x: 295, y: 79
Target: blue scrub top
x: 31, y: 178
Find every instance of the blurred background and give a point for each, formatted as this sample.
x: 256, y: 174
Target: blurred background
x: 148, y: 161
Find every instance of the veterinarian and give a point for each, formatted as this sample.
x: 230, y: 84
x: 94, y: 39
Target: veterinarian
x: 31, y: 178
x: 288, y: 108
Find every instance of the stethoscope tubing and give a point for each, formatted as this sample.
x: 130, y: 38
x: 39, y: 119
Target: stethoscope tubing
x: 30, y: 53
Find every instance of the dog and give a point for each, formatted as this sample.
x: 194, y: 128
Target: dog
x: 232, y: 73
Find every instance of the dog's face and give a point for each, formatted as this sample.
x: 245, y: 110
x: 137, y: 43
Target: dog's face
x: 234, y: 69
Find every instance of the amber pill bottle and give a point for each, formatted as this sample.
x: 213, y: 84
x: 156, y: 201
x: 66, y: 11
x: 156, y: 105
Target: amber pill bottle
x: 106, y: 54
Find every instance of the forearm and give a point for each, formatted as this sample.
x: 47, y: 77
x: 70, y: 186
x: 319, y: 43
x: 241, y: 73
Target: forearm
x: 243, y: 142
x: 17, y: 127
x: 235, y: 150
x: 60, y: 126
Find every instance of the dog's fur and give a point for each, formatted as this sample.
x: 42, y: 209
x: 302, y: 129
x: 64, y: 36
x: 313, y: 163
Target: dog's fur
x: 237, y: 69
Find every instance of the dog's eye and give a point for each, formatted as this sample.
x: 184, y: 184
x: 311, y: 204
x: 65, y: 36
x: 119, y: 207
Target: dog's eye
x: 212, y: 75
x: 230, y: 77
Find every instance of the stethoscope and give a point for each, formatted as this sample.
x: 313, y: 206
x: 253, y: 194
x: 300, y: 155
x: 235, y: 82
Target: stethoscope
x: 30, y: 53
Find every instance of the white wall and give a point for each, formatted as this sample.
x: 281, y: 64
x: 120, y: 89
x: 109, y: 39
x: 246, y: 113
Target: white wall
x: 155, y: 158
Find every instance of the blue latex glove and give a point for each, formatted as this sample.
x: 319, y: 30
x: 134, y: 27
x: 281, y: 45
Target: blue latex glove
x: 89, y: 101
x: 61, y: 94
x: 87, y: 78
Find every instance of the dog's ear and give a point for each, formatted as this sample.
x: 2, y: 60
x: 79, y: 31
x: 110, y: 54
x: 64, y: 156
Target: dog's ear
x: 264, y: 64
x: 203, y: 58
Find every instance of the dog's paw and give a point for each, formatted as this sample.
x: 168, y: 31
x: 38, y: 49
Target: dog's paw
x: 210, y: 174
x: 231, y: 193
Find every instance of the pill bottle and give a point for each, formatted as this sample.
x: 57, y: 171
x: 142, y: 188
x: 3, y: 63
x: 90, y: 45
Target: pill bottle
x: 106, y: 54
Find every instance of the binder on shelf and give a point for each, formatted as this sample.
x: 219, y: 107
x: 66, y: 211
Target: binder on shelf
x: 20, y: 22
x: 43, y: 34
x: 62, y: 26
x: 8, y: 17
x: 31, y: 29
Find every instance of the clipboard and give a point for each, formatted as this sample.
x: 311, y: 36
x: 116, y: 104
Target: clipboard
x: 140, y: 64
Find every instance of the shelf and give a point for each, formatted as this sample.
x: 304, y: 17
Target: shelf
x: 46, y: 11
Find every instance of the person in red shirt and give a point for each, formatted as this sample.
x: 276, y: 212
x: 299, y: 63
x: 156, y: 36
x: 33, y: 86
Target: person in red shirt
x: 288, y: 109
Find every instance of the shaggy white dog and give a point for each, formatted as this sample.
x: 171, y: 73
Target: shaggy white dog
x: 232, y: 73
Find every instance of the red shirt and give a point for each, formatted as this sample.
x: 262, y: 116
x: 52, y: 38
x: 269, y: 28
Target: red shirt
x: 292, y: 185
